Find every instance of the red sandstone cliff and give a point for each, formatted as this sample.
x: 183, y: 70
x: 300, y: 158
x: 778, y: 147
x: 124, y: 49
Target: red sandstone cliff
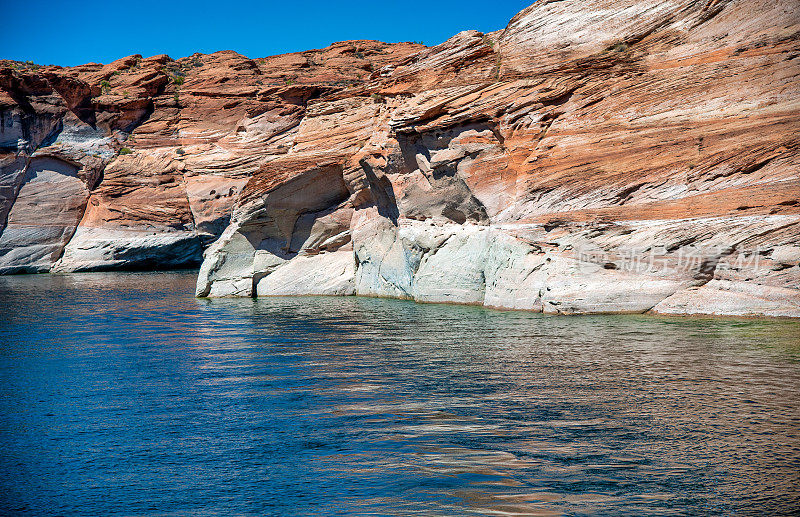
x: 596, y: 156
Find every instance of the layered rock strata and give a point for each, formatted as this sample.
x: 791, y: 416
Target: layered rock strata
x: 142, y: 160
x: 595, y: 156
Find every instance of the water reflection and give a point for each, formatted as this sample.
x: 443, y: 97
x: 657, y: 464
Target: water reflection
x: 123, y: 394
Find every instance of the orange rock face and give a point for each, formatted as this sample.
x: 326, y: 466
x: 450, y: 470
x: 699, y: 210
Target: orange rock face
x: 163, y: 148
x: 596, y: 156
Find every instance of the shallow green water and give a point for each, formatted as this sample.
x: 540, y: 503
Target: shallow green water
x: 123, y: 394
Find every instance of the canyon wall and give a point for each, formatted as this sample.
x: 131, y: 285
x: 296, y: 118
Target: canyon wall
x: 145, y: 158
x: 593, y: 156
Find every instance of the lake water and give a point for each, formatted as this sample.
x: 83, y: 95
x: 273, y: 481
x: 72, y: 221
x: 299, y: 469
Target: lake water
x: 123, y: 394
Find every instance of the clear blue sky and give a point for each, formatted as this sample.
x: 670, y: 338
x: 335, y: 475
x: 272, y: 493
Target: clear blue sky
x: 72, y: 32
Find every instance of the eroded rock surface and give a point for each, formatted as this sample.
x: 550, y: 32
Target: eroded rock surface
x: 600, y: 156
x: 40, y: 223
x: 162, y: 149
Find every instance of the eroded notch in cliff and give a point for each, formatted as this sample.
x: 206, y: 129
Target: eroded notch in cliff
x: 433, y: 169
x: 284, y: 217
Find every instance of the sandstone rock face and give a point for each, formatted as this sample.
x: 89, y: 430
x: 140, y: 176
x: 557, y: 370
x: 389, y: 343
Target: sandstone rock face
x: 40, y: 223
x: 591, y: 157
x: 160, y: 149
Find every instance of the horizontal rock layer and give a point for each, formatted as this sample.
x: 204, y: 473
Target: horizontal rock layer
x: 147, y: 157
x: 596, y: 156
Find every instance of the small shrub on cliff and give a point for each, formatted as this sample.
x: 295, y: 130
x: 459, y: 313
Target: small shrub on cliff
x: 378, y: 98
x: 619, y: 47
x: 289, y: 82
x: 177, y: 79
x: 191, y: 62
x: 180, y: 151
x: 488, y: 42
x: 125, y: 151
x: 105, y: 86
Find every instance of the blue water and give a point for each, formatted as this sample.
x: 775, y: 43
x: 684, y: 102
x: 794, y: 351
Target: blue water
x: 122, y: 394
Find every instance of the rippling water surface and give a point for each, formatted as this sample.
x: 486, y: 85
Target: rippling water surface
x: 122, y: 394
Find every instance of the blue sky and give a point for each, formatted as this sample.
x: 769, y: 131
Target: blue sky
x: 71, y: 32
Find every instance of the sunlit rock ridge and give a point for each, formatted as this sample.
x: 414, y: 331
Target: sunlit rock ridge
x: 591, y: 157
